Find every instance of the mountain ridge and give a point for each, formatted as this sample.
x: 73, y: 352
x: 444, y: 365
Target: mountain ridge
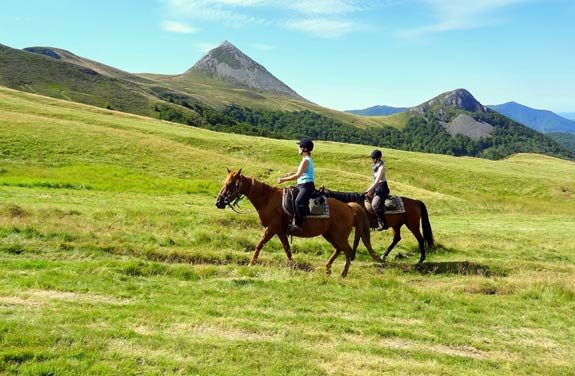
x: 540, y: 120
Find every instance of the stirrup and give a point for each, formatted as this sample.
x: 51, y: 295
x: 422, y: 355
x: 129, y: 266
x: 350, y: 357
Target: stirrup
x: 294, y: 229
x: 381, y: 226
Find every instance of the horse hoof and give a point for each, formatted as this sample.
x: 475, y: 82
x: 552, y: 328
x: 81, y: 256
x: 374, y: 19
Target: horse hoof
x: 327, y: 272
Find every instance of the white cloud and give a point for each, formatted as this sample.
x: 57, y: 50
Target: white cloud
x: 459, y: 15
x: 322, y: 27
x: 178, y: 27
x: 323, y: 18
x: 214, y: 10
x: 324, y: 7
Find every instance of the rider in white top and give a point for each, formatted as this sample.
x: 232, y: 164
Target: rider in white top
x: 379, y: 188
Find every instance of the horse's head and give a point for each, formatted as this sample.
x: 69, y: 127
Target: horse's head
x: 231, y: 190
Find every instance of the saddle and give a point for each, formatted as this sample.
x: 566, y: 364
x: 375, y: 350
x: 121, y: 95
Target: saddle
x: 393, y: 204
x: 318, y: 206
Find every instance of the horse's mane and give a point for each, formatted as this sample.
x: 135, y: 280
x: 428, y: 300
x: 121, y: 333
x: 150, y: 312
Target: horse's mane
x: 262, y: 187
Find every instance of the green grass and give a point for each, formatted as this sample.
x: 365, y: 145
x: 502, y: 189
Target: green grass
x: 114, y: 259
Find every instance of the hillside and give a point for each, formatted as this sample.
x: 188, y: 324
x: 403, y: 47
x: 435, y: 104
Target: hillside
x: 245, y: 98
x: 68, y: 57
x: 456, y: 123
x: 61, y: 74
x: 114, y: 259
x: 565, y: 139
x: 378, y: 111
x: 540, y: 120
x: 44, y: 75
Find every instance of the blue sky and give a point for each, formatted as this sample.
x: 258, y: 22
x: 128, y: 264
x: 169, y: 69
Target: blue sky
x: 342, y: 54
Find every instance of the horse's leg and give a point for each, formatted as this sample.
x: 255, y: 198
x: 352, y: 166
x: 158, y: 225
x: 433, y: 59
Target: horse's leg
x: 284, y: 239
x: 347, y: 263
x: 268, y: 234
x: 366, y: 239
x: 332, y: 258
x: 356, y: 241
x: 328, y: 236
x: 396, y: 239
x: 362, y: 232
x: 414, y: 228
x: 340, y: 244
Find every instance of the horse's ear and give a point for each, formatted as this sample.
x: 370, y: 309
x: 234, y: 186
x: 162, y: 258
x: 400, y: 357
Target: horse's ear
x: 228, y: 170
x: 239, y: 172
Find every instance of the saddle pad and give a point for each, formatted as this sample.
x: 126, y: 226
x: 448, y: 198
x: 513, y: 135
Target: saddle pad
x: 316, y: 211
x: 399, y: 207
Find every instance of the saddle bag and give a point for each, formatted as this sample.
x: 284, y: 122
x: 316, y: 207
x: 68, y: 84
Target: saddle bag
x: 390, y: 203
x: 317, y: 205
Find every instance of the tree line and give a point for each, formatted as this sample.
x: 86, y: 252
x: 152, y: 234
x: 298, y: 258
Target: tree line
x: 419, y: 134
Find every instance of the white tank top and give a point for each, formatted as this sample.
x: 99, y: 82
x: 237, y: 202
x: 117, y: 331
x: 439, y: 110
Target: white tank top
x: 378, y: 166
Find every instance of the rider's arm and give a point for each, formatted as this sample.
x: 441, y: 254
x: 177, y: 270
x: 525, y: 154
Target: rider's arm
x: 295, y: 175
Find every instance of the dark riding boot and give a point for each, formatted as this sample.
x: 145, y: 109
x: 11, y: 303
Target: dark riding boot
x: 296, y: 226
x: 294, y: 229
x: 381, y: 225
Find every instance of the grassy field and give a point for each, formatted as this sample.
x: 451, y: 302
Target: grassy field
x: 114, y: 259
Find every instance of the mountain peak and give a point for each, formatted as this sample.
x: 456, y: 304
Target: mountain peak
x: 228, y: 44
x: 459, y: 99
x: 228, y: 63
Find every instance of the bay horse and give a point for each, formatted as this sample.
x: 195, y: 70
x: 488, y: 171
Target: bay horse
x: 415, y: 212
x: 267, y: 201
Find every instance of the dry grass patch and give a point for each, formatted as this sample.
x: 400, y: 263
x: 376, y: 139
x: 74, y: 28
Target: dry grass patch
x: 48, y: 295
x: 18, y: 301
x: 126, y: 348
x: 223, y: 333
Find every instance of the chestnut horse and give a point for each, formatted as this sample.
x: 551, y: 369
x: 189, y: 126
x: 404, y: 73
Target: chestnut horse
x: 267, y: 201
x: 415, y: 212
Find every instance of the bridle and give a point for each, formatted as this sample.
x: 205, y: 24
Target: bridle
x: 238, y: 188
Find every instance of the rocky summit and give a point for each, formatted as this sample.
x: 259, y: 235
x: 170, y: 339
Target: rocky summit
x: 228, y: 63
x: 459, y: 99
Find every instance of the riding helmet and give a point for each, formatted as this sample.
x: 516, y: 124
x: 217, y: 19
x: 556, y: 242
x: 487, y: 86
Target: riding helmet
x: 306, y: 144
x: 376, y: 154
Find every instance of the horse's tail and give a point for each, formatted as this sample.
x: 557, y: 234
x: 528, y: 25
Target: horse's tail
x: 427, y: 233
